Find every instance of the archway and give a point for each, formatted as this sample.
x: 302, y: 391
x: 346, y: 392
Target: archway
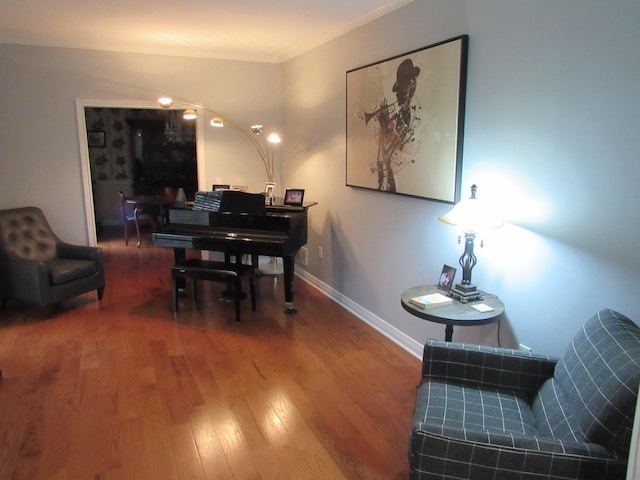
x: 85, y: 145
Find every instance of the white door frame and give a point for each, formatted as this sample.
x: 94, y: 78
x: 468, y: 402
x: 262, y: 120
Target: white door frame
x: 84, y: 152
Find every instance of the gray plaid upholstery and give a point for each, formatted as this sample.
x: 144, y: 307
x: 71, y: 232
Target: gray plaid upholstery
x: 492, y: 413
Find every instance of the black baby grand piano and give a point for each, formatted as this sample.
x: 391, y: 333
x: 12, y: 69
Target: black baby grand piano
x: 237, y: 223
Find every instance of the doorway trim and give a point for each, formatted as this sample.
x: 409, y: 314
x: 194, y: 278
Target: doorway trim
x: 85, y: 163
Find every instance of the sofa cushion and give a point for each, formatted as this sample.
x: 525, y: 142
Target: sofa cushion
x: 599, y: 375
x: 62, y: 270
x: 553, y: 418
x: 141, y: 217
x: 463, y: 407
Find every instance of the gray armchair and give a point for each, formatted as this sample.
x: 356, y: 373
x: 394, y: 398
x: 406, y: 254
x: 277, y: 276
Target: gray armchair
x: 39, y: 268
x: 486, y: 412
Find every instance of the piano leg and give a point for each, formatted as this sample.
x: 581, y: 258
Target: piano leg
x: 243, y: 294
x: 288, y: 263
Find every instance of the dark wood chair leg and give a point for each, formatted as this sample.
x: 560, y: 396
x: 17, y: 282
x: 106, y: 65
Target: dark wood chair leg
x: 139, y: 244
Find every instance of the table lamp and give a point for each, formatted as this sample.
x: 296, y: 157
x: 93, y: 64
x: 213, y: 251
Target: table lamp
x: 472, y: 216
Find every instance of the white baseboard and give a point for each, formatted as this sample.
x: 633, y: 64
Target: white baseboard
x: 415, y: 348
x: 385, y: 328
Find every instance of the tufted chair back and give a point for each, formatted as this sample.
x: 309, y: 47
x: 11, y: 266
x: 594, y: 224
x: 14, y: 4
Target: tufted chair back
x: 25, y: 233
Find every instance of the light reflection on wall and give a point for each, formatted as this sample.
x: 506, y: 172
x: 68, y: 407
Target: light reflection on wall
x: 521, y: 202
x: 515, y: 254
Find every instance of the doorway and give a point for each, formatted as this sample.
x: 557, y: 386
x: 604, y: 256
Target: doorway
x: 135, y: 149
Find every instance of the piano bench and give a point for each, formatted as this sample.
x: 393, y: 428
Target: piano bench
x: 197, y: 269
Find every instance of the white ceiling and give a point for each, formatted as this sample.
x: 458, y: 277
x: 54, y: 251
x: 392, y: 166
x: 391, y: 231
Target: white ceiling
x: 251, y: 30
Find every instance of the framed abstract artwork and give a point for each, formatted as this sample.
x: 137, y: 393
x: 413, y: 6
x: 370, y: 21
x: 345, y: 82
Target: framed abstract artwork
x: 405, y: 122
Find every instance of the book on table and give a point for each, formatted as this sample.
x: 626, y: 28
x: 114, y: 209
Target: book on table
x: 431, y: 300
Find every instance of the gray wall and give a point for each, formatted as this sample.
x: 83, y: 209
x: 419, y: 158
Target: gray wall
x: 42, y: 162
x: 552, y: 114
x: 553, y: 108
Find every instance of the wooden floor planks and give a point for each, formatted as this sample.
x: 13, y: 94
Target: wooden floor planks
x: 123, y: 389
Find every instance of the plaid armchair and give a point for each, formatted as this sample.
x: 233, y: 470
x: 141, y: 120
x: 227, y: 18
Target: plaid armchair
x: 37, y: 267
x: 485, y: 412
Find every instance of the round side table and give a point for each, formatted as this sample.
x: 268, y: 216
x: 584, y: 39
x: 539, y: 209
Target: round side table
x: 455, y: 313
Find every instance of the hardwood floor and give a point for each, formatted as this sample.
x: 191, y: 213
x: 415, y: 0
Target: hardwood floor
x: 122, y: 389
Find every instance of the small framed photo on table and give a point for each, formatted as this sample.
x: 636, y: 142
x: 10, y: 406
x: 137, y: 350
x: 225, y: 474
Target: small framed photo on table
x: 445, y: 282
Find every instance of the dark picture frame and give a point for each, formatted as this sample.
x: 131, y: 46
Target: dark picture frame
x: 96, y: 139
x: 293, y: 197
x: 445, y: 281
x: 405, y: 122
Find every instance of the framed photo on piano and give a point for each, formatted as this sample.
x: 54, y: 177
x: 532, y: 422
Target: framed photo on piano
x: 293, y: 197
x: 269, y: 192
x: 405, y: 122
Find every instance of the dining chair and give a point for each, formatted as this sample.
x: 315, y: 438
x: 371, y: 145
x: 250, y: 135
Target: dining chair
x: 134, y: 214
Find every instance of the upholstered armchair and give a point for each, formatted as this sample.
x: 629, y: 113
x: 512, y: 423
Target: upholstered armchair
x: 37, y: 267
x: 494, y: 413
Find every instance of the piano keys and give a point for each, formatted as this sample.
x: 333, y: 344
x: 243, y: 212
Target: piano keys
x: 238, y: 225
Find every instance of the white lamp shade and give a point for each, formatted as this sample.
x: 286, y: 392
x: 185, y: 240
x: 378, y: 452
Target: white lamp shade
x: 274, y: 138
x: 473, y: 215
x: 190, y: 114
x: 165, y: 102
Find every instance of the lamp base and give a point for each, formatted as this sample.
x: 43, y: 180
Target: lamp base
x: 465, y: 293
